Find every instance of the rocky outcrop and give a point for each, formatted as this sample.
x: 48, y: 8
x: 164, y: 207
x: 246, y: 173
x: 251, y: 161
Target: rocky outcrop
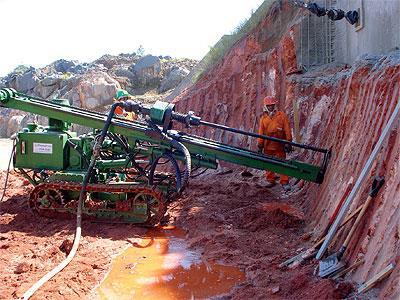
x: 340, y: 107
x: 92, y: 85
x: 111, y: 61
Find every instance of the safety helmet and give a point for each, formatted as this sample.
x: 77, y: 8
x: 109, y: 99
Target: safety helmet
x: 121, y: 94
x: 269, y: 100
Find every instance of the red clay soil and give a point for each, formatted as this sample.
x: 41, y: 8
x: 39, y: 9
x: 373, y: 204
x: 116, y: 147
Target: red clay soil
x: 231, y: 219
x: 31, y: 246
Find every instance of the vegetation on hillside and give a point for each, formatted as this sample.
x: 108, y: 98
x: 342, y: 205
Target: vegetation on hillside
x: 222, y: 47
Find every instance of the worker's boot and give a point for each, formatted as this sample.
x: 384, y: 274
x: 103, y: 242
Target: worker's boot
x: 269, y: 184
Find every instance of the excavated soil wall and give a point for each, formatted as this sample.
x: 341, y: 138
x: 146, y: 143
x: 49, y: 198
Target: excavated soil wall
x: 344, y: 108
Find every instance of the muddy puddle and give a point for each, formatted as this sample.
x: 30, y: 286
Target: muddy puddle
x: 160, y: 266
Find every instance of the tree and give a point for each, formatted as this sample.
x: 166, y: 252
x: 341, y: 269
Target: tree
x: 140, y: 51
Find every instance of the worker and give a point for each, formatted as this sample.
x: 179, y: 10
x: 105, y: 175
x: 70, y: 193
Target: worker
x: 274, y: 123
x: 122, y: 96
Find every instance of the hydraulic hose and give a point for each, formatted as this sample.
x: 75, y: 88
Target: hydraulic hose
x: 172, y: 160
x: 184, y: 177
x: 188, y: 162
x: 180, y: 147
x: 82, y: 194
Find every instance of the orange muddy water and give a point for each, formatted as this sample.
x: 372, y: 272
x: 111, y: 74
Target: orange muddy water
x: 160, y: 266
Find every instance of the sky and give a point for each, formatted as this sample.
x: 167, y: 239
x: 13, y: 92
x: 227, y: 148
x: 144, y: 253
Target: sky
x: 38, y: 32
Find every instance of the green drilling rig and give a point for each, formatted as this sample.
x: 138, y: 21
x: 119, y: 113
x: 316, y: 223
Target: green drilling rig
x: 127, y: 171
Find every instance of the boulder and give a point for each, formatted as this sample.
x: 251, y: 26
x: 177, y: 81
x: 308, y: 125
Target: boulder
x: 63, y: 66
x: 173, y: 78
x: 95, y: 89
x: 47, y: 86
x: 50, y: 81
x: 148, y: 71
x: 148, y: 65
x: 26, y: 82
x: 73, y: 96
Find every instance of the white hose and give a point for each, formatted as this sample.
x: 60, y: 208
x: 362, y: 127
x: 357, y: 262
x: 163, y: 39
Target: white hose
x: 65, y: 262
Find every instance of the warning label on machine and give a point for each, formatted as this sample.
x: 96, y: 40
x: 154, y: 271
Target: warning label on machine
x: 42, y: 148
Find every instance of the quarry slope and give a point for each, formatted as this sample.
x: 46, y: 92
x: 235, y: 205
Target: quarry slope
x: 340, y: 107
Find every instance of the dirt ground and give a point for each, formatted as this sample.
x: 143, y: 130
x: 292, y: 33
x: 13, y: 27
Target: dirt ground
x: 230, y: 218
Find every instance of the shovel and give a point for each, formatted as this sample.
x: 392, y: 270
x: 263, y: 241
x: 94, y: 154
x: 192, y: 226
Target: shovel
x: 332, y: 263
x: 338, y: 207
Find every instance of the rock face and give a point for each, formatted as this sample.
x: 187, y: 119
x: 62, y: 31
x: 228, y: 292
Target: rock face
x: 47, y: 86
x: 339, y: 107
x: 350, y: 110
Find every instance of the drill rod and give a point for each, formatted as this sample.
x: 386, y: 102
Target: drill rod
x: 265, y: 137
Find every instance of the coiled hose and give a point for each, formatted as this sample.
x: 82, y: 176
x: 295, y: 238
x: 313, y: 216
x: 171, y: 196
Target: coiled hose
x: 188, y: 162
x: 182, y: 179
x: 82, y: 194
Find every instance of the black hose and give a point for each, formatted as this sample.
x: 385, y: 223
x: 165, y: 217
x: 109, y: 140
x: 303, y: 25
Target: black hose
x: 97, y: 149
x: 188, y: 163
x: 180, y: 147
x: 178, y: 175
x: 200, y: 173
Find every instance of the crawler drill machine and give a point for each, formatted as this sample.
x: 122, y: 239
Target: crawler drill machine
x: 133, y: 168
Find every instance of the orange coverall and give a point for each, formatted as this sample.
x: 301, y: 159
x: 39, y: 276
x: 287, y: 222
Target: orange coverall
x: 131, y: 116
x: 277, y: 127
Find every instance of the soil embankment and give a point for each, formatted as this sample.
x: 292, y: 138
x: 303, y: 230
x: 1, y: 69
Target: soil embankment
x: 343, y: 108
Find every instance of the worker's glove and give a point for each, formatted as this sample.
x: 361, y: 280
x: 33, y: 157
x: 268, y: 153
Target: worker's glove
x: 288, y: 148
x: 260, y: 149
